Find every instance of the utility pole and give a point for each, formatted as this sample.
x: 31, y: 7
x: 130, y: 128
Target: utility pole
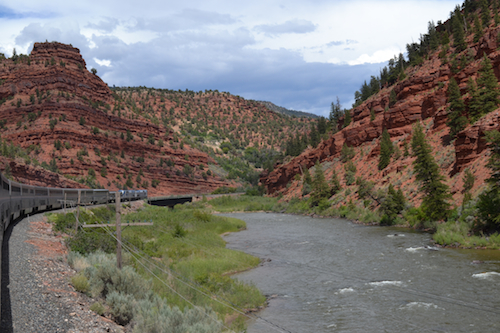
x: 118, y: 232
x: 77, y: 212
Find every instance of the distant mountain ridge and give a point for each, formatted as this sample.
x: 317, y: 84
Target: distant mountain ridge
x: 282, y: 110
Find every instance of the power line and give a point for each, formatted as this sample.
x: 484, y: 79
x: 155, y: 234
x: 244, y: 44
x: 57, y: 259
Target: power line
x: 161, y: 280
x: 212, y: 295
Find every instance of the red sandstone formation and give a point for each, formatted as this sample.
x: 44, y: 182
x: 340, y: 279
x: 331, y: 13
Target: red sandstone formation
x: 422, y: 97
x: 52, y: 97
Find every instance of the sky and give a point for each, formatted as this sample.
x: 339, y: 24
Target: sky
x: 297, y: 54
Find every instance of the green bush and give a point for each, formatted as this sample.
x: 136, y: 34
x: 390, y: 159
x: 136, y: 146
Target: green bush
x: 98, y: 308
x: 152, y: 316
x: 91, y: 241
x: 202, y: 216
x: 81, y: 283
x: 121, y: 306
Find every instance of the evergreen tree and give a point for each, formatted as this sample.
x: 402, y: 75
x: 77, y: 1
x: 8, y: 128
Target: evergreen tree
x: 347, y: 118
x: 314, y: 136
x: 435, y: 203
x: 488, y: 204
x: 433, y: 36
x: 335, y: 115
x: 475, y: 107
x: 386, y: 150
x: 347, y: 153
x: 485, y: 13
x: 320, y: 188
x: 458, y: 32
x: 392, y: 98
x: 393, y: 203
x: 468, y: 180
x: 478, y: 29
x: 306, y: 181
x: 456, y: 118
x: 335, y: 183
x: 489, y: 95
x: 350, y: 173
x: 372, y: 115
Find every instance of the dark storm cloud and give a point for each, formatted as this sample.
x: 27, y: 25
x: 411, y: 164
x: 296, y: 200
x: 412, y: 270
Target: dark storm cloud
x: 223, y: 63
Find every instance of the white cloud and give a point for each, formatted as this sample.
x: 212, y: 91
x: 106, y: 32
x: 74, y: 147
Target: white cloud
x: 300, y: 55
x: 104, y: 62
x: 377, y: 57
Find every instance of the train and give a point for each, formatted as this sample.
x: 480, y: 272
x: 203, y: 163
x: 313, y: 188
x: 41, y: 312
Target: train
x: 18, y: 200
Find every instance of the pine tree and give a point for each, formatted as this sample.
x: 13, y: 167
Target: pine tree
x: 386, y: 150
x: 435, y: 203
x: 478, y: 29
x: 347, y: 153
x: 488, y: 204
x: 458, y: 32
x: 350, y: 173
x: 456, y: 118
x: 306, y: 181
x: 475, y: 107
x: 372, y: 115
x: 347, y: 118
x: 485, y: 13
x: 320, y: 188
x: 468, y: 180
x: 489, y: 95
x: 392, y: 98
x: 393, y: 203
x: 335, y: 183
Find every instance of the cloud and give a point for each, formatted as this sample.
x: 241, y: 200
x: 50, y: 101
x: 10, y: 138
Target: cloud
x: 340, y: 42
x: 377, y: 57
x: 335, y: 43
x: 293, y: 26
x: 8, y: 13
x: 186, y: 19
x: 107, y: 25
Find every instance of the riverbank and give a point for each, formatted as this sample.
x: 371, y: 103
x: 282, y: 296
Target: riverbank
x: 454, y: 233
x: 185, y: 251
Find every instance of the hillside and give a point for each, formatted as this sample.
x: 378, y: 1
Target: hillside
x: 421, y: 95
x: 61, y: 125
x: 282, y: 110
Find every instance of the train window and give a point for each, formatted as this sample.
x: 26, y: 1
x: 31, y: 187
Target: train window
x: 5, y: 185
x: 16, y: 189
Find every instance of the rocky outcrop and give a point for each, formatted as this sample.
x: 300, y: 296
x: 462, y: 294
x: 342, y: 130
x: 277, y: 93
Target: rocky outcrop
x: 58, y: 111
x: 421, y: 97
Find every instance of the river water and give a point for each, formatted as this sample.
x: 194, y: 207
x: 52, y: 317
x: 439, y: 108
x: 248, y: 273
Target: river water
x: 330, y: 275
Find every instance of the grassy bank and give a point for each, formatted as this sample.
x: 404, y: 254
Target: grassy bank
x: 183, y: 254
x: 458, y: 231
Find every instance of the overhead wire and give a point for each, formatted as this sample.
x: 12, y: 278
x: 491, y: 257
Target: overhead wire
x: 126, y: 248
x: 207, y: 294
x: 234, y: 306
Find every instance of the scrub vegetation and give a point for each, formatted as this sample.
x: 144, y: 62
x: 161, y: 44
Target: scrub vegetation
x: 179, y: 263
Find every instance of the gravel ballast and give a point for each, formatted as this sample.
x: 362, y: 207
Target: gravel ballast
x: 37, y: 295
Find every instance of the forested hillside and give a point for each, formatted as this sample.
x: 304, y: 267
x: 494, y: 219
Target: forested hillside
x: 414, y: 147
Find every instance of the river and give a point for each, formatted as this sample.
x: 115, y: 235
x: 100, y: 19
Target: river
x: 331, y: 275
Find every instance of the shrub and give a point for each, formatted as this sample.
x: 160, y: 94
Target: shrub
x: 179, y: 231
x: 202, y: 216
x: 156, y: 316
x: 81, y: 283
x: 98, y: 308
x: 121, y: 306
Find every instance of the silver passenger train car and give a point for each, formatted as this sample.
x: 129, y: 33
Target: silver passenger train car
x: 17, y: 200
